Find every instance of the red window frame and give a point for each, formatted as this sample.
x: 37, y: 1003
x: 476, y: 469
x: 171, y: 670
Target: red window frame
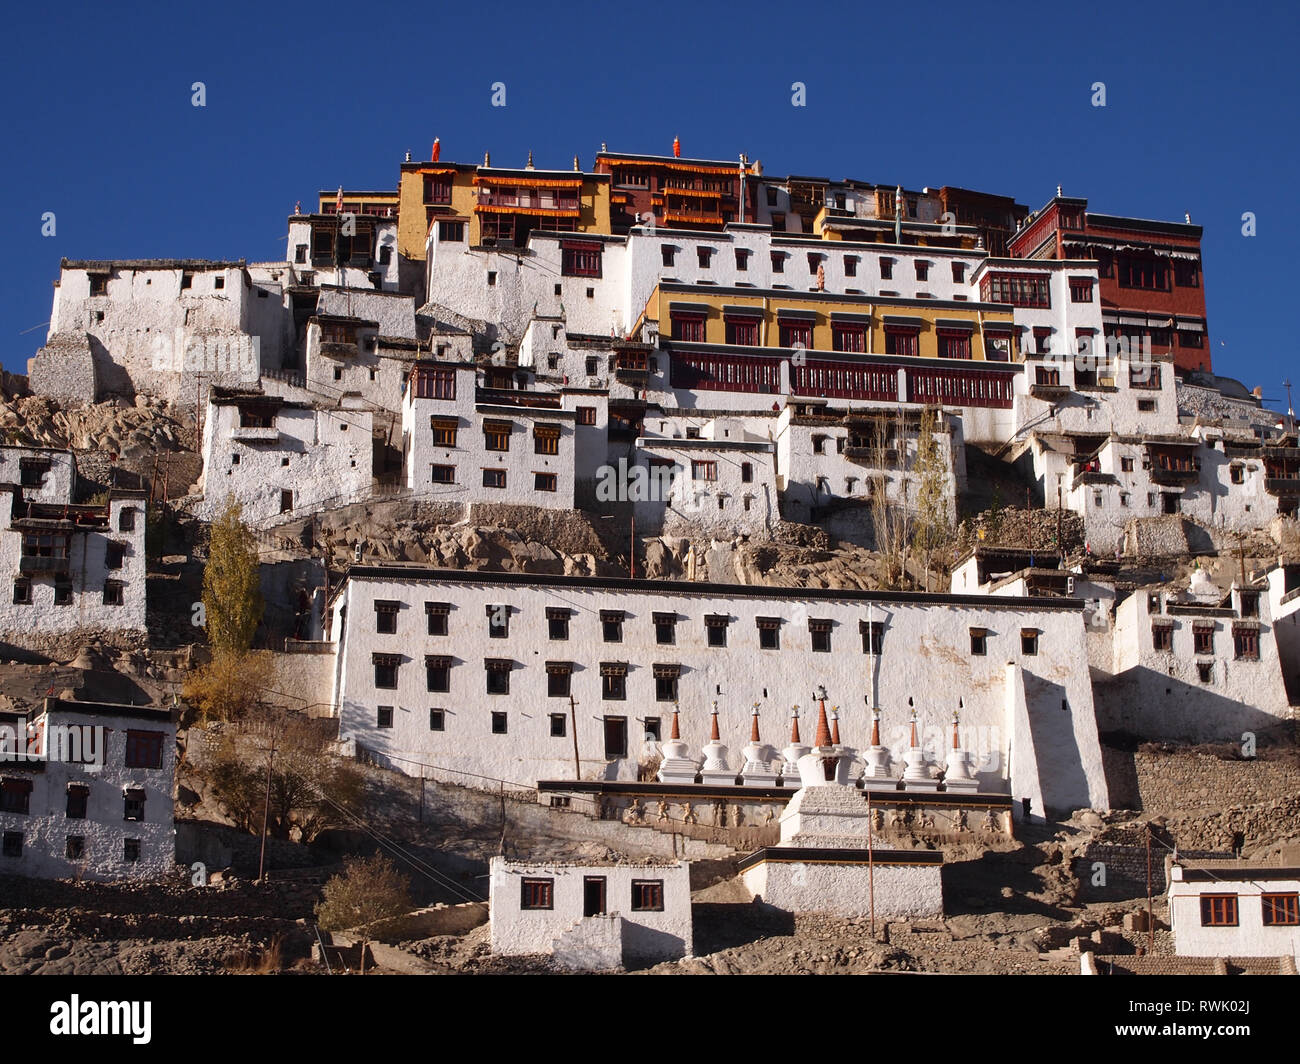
x: 954, y: 343
x: 144, y: 749
x: 741, y: 331
x: 580, y: 260
x: 688, y: 327
x: 794, y: 331
x: 1219, y: 910
x: 433, y: 382
x: 848, y: 337
x: 902, y: 341
x: 1280, y: 910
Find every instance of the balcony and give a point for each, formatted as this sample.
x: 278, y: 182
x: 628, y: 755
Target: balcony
x: 1288, y: 486
x: 1041, y: 390
x: 866, y: 454
x: 38, y: 564
x: 338, y: 349
x: 631, y: 368
x: 255, y: 434
x: 1176, y: 475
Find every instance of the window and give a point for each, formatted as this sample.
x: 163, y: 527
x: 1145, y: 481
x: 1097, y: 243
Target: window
x: 498, y: 676
x: 1203, y: 638
x: 669, y: 254
x: 611, y: 623
x: 873, y: 636
x: 130, y: 849
x: 793, y: 332
x: 922, y: 270
x: 544, y: 482
x: 113, y: 554
x: 613, y: 681
x: 586, y: 415
x: 778, y: 224
x: 1080, y: 290
x: 546, y: 439
x: 498, y: 621
x: 704, y: 470
x: 954, y: 343
x: 442, y: 474
x: 1280, y: 910
x: 820, y: 634
x: 494, y: 478
x: 15, y: 795
x: 1249, y: 603
x: 1191, y: 339
x: 557, y: 622
x: 1142, y: 272
x: 385, y: 717
x: 742, y: 259
x: 437, y: 673
x: 848, y: 337
x: 63, y: 594
x: 133, y: 804
x: 300, y: 253
x: 451, y: 231
x: 666, y: 677
x: 978, y: 642
x: 1218, y: 910
x: 436, y: 614
x: 386, y: 666
x: 74, y: 847
x: 746, y: 473
x: 886, y: 269
x: 615, y: 737
x: 559, y: 675
x: 496, y: 435
x: 432, y: 382
x: 592, y: 365
x: 1205, y: 671
x: 13, y: 843
x: 1245, y: 643
x: 1237, y: 473
x: 286, y: 500
x: 665, y: 628
x: 437, y: 720
x: 647, y: 895
x: 144, y: 749
x: 771, y: 195
x: 444, y: 431
x: 819, y: 444
x: 958, y: 273
x: 850, y: 265
x: 22, y: 592
x: 814, y: 261
x: 78, y: 799
x: 1126, y: 465
x: 778, y: 257
x: 769, y: 633
x: 559, y: 726
x: 1018, y: 289
x: 687, y: 326
x: 386, y: 617
x: 537, y: 894
x: 1029, y: 641
x: 579, y: 260
x: 492, y: 278
x: 901, y: 341
x: 716, y: 629
x: 1125, y: 499
x: 704, y: 256
x: 126, y: 520
x: 741, y: 330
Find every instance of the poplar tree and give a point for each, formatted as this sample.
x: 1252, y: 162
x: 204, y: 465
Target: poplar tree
x: 932, y: 527
x: 232, y: 595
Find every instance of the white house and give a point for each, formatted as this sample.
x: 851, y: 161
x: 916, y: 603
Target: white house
x: 592, y: 917
x: 348, y: 251
x: 86, y: 790
x: 280, y: 458
x: 473, y: 672
x: 1235, y: 908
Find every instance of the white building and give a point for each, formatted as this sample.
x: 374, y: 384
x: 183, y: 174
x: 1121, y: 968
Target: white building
x: 95, y: 800
x: 485, y: 686
x: 1235, y: 908
x: 347, y: 251
x: 280, y: 458
x: 1199, y: 666
x: 78, y: 570
x: 155, y: 325
x: 592, y: 917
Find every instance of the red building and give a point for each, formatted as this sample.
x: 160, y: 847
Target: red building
x: 680, y: 193
x: 1151, y: 283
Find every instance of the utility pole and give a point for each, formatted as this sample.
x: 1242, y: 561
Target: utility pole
x: 573, y: 723
x: 266, y: 811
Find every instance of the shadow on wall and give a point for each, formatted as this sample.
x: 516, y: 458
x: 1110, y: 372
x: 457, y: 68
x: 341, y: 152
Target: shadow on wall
x: 1061, y: 773
x: 1150, y: 705
x: 718, y: 926
x: 644, y: 946
x: 110, y: 378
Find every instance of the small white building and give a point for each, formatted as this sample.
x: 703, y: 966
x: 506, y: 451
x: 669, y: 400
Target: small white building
x: 1235, y: 908
x: 1199, y: 666
x: 592, y: 917
x: 281, y: 459
x: 347, y: 251
x: 86, y: 789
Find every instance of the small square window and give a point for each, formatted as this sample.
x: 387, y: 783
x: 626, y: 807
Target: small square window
x: 78, y: 799
x: 558, y: 679
x: 716, y: 628
x: 665, y: 628
x: 1280, y: 910
x: 13, y: 843
x: 1146, y: 405
x: 437, y: 720
x: 611, y: 622
x: 1205, y: 671
x: 1218, y: 910
x: 113, y: 592
x: 498, y: 722
x: 498, y: 677
x: 385, y: 717
x: 559, y: 725
x: 537, y: 894
x: 75, y: 847
x: 820, y: 634
x: 647, y: 895
x: 978, y: 642
x: 133, y: 804
x: 218, y: 283
x: 63, y: 594
x: 130, y: 849
x: 492, y: 278
x: 1029, y: 641
x: 557, y: 623
x: 22, y: 592
x: 126, y: 520
x: 498, y: 622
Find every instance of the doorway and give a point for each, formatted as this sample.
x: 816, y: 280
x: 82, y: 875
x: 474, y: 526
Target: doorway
x: 593, y: 896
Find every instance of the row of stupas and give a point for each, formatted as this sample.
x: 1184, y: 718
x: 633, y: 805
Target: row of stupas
x: 839, y: 759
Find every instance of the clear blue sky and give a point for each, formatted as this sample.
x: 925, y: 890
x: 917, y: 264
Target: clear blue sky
x: 1201, y: 116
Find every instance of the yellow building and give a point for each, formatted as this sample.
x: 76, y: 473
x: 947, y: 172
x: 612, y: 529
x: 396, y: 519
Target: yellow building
x: 497, y: 206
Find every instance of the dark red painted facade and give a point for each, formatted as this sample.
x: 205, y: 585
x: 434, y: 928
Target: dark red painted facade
x: 680, y: 193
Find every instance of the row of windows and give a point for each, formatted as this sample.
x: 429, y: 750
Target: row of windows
x: 558, y: 619
x: 113, y: 592
x: 1277, y: 910
x: 16, y: 796
x: 615, y: 727
x: 647, y: 895
x: 492, y: 478
x: 74, y: 847
x: 1245, y: 641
